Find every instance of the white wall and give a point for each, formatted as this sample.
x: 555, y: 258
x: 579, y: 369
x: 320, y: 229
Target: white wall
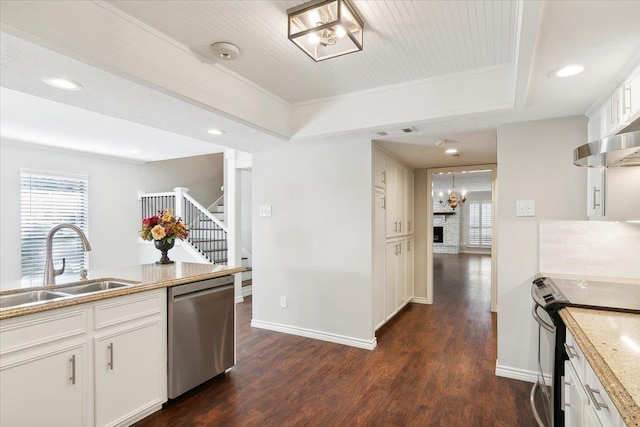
x: 114, y: 209
x: 247, y: 209
x: 534, y: 163
x: 316, y: 248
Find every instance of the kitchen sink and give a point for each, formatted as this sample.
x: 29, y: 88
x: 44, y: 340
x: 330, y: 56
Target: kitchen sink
x: 28, y: 297
x: 86, y: 288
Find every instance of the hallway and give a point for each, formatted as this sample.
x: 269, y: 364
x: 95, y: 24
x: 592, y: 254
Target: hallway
x: 434, y: 366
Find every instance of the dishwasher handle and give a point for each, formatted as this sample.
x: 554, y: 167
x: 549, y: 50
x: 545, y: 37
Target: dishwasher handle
x: 195, y: 294
x: 190, y: 288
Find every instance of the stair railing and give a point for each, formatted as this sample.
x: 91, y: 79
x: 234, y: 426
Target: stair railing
x: 207, y: 234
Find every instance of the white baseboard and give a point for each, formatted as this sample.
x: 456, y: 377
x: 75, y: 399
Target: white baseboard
x: 247, y: 291
x: 239, y: 299
x: 318, y: 335
x: 419, y: 300
x: 520, y: 374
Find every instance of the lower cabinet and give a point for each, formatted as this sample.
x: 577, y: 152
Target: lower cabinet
x: 94, y: 364
x: 586, y: 403
x: 45, y: 387
x: 398, y: 283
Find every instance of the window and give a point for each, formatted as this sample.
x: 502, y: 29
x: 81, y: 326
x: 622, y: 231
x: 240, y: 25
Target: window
x: 479, y: 224
x: 46, y: 200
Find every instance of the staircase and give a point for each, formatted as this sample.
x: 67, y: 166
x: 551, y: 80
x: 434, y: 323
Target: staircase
x: 207, y: 231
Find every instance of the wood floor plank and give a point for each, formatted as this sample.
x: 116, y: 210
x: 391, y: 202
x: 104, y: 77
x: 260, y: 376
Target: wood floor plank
x: 434, y: 366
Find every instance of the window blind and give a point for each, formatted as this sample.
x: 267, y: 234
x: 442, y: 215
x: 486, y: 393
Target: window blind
x: 480, y: 229
x: 47, y: 200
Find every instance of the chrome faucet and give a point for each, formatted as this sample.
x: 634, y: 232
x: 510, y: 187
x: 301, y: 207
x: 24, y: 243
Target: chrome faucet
x: 50, y: 272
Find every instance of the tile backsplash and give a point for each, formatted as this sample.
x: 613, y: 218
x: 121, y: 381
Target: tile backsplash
x: 590, y: 248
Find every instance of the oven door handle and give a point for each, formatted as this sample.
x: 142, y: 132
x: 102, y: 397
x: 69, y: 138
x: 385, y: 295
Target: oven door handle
x: 541, y: 322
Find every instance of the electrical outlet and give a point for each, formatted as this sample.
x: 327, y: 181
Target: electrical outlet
x: 525, y: 208
x: 283, y: 302
x: 264, y: 211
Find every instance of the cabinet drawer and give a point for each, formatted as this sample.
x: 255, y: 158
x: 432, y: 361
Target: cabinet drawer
x: 576, y: 357
x: 608, y: 416
x: 124, y: 309
x: 32, y: 330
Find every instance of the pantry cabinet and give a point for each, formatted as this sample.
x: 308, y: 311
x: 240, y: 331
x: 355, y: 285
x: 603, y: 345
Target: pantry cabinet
x: 392, y: 237
x: 94, y: 364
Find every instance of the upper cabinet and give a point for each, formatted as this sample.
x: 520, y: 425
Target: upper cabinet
x: 620, y: 109
x: 378, y: 168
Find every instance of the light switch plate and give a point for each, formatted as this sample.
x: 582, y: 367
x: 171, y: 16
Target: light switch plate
x: 525, y: 208
x: 264, y: 211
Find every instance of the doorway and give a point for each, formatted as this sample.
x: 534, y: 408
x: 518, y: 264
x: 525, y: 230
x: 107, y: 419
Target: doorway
x: 460, y: 235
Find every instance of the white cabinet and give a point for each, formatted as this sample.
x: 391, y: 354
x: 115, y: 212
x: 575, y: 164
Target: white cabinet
x: 596, y: 187
x: 631, y: 97
x: 378, y: 259
x: 408, y: 199
x: 586, y: 403
x: 129, y: 361
x: 409, y: 273
x: 391, y: 280
x: 379, y: 166
x: 46, y: 387
x: 399, y: 199
x: 392, y: 198
x: 100, y: 363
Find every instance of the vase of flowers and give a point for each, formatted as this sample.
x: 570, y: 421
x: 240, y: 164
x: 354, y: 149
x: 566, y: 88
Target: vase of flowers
x: 163, y: 229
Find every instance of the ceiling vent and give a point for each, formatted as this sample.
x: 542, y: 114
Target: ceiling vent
x: 396, y: 132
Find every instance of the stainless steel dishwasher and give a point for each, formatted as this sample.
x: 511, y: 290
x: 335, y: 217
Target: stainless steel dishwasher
x: 201, y: 329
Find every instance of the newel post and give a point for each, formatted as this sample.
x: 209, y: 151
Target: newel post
x: 179, y: 204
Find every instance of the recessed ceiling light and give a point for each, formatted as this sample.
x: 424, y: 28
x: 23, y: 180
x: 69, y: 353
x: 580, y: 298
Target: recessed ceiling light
x: 215, y: 132
x: 441, y: 143
x: 451, y: 151
x: 62, y: 83
x: 568, y: 71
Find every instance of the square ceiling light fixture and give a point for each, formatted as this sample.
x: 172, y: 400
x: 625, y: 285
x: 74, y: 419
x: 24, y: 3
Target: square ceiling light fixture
x: 325, y: 29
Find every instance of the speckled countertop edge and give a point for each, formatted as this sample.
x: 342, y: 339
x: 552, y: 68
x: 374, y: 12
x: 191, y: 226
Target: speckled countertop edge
x: 626, y: 406
x: 137, y: 286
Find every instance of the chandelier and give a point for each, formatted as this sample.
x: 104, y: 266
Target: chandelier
x: 454, y: 198
x: 325, y: 29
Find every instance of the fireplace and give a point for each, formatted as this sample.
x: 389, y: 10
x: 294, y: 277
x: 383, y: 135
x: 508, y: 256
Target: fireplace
x: 438, y: 234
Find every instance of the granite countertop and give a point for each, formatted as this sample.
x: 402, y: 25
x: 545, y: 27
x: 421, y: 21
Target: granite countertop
x: 142, y: 278
x: 615, y: 361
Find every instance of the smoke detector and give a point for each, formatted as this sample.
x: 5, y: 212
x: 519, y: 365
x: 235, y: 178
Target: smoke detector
x: 441, y: 143
x: 225, y: 51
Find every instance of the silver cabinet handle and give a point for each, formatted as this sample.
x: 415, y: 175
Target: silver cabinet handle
x: 595, y: 190
x: 400, y: 246
x: 627, y: 97
x: 399, y: 225
x: 110, y: 362
x: 570, y: 351
x: 563, y: 393
x: 384, y: 203
x: 592, y: 395
x: 73, y: 369
x: 395, y: 227
x: 396, y: 253
x: 384, y: 177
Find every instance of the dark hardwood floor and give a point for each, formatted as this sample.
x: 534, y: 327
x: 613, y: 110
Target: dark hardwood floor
x: 434, y: 366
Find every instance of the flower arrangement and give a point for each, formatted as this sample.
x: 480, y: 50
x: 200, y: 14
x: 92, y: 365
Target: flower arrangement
x: 164, y: 226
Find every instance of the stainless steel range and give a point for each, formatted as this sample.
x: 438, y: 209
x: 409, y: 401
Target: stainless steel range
x: 550, y: 295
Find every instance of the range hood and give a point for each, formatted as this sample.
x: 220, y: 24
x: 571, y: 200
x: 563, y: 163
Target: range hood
x: 616, y: 151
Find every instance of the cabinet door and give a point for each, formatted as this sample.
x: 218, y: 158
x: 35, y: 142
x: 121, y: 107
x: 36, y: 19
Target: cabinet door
x: 128, y: 372
x: 408, y: 280
x: 379, y: 164
x: 378, y: 260
x: 632, y: 97
x: 391, y: 201
x: 45, y: 389
x: 390, y: 281
x: 401, y: 260
x: 409, y: 201
x: 575, y: 397
x: 401, y: 208
x: 596, y: 187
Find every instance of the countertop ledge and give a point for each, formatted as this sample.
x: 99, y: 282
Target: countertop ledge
x: 142, y: 278
x: 598, y: 333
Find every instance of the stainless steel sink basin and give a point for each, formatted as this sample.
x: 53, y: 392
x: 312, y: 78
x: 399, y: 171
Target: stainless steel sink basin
x: 86, y: 288
x: 28, y: 297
